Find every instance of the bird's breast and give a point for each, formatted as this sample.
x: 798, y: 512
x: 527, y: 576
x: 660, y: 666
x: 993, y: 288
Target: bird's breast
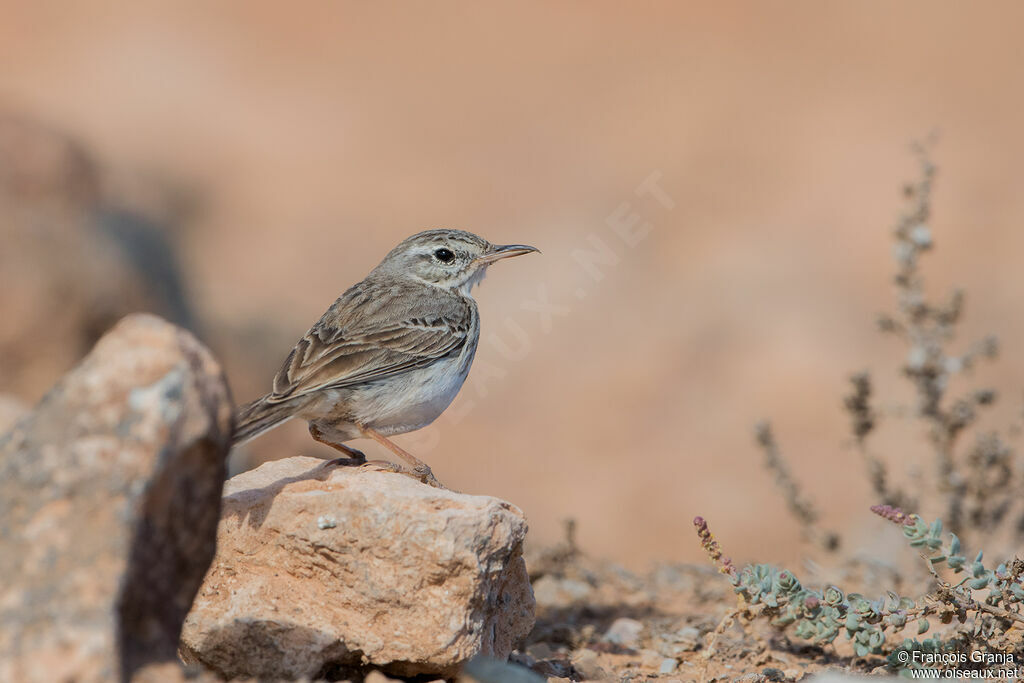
x: 412, y: 399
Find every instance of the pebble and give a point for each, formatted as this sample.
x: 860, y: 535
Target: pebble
x: 625, y: 632
x: 550, y: 591
x: 688, y: 635
x: 540, y: 651
x: 649, y: 659
x: 752, y: 677
x: 586, y: 662
x: 668, y: 665
x: 686, y: 639
x: 488, y: 670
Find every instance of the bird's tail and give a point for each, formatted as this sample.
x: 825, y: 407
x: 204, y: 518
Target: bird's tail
x: 259, y: 416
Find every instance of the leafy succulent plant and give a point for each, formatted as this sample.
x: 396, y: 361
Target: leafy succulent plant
x: 1005, y: 592
x: 821, y: 616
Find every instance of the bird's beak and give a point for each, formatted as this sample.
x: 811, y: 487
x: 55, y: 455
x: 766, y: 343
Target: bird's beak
x: 500, y: 251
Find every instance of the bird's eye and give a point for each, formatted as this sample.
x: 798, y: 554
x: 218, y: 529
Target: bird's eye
x: 444, y: 255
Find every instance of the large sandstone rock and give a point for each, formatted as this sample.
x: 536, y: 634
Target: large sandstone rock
x: 321, y: 570
x: 109, y: 501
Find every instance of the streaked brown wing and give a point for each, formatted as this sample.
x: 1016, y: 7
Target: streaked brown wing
x: 363, y: 338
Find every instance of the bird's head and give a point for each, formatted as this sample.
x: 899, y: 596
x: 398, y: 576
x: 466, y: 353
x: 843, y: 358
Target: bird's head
x: 453, y: 259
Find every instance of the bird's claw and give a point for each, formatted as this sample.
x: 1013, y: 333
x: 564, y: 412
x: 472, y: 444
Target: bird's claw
x: 346, y: 462
x: 426, y: 475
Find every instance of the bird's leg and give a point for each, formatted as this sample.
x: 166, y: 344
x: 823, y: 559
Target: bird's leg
x: 420, y: 469
x: 355, y: 457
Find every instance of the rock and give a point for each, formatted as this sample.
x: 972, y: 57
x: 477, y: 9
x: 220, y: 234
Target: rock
x: 625, y: 632
x: 649, y: 659
x: 377, y: 677
x: 553, y: 668
x: 488, y: 670
x: 540, y: 651
x: 408, y: 579
x: 109, y: 500
x: 668, y: 665
x: 173, y: 672
x: 588, y: 664
x: 74, y: 259
x: 686, y: 639
x: 522, y: 659
x: 43, y: 165
x: 552, y: 591
x: 11, y: 410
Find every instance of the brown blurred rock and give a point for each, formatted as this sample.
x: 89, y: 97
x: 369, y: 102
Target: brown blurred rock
x: 73, y: 261
x: 173, y: 672
x: 588, y: 664
x: 42, y: 165
x: 109, y: 500
x: 324, y: 569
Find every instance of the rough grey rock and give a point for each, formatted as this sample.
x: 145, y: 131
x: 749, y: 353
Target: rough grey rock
x: 109, y: 501
x: 322, y: 569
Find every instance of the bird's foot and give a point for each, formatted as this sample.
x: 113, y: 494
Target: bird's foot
x: 421, y: 474
x: 346, y: 462
x: 355, y: 458
x: 419, y: 469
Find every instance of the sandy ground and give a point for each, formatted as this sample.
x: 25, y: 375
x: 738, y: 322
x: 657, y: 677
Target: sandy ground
x: 598, y: 621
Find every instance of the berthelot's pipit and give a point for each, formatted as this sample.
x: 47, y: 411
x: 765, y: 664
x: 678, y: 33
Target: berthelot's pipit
x: 391, y: 353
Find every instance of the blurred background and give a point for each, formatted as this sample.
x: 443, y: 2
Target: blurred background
x: 713, y: 186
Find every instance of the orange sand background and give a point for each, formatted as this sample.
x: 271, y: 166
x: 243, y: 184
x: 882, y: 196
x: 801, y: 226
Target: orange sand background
x: 316, y: 136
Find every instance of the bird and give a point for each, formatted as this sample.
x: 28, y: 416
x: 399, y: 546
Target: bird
x: 390, y: 354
